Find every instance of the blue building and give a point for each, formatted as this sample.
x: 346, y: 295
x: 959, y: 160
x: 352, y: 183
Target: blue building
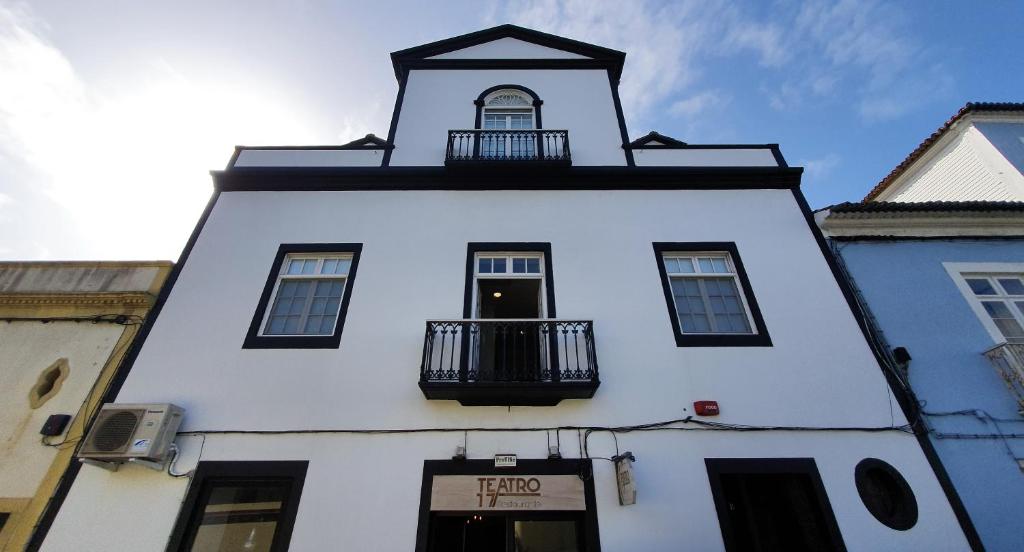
x: 936, y: 255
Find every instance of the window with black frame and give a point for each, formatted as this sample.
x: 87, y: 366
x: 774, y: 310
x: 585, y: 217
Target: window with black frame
x: 247, y: 506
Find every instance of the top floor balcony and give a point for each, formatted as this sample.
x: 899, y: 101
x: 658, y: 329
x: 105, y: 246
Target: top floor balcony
x: 513, y: 147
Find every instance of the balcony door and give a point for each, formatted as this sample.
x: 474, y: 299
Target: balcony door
x: 503, y: 114
x: 509, y: 296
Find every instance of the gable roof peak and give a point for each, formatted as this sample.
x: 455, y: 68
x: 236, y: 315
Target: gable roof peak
x: 924, y: 146
x: 653, y: 138
x: 614, y: 58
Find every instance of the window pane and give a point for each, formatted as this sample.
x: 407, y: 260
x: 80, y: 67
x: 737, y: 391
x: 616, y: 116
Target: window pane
x: 239, y: 517
x: 499, y: 266
x: 671, y: 265
x: 330, y: 265
x: 719, y: 265
x: 685, y: 265
x: 295, y: 266
x: 996, y: 309
x: 484, y: 266
x: 343, y: 266
x: 544, y: 536
x: 494, y: 121
x: 981, y: 286
x: 1009, y: 328
x: 693, y: 317
x: 309, y: 266
x: 724, y: 298
x: 705, y: 264
x: 1013, y: 286
x: 519, y: 266
x: 533, y: 266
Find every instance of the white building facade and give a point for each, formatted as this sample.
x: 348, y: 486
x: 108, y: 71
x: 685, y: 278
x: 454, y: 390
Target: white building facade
x: 355, y: 332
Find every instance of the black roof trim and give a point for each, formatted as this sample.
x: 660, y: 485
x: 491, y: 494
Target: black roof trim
x: 653, y: 136
x: 487, y: 178
x: 671, y: 143
x: 366, y: 142
x: 415, y: 56
x: 929, y: 206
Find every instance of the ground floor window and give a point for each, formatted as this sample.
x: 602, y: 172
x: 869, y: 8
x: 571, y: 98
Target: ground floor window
x: 536, y: 506
x: 769, y: 504
x: 246, y: 506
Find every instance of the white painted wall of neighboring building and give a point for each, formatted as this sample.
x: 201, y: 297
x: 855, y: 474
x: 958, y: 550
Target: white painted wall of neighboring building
x: 508, y: 48
x: 26, y: 350
x: 753, y: 157
x: 437, y: 101
x: 962, y: 166
x: 369, y: 157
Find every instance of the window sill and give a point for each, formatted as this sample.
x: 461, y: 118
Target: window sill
x: 292, y: 342
x: 723, y: 340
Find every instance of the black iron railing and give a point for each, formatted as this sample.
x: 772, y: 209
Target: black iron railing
x: 537, y: 351
x: 550, y: 146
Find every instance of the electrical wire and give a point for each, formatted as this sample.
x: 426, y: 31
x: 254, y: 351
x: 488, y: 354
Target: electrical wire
x: 121, y: 319
x: 679, y: 424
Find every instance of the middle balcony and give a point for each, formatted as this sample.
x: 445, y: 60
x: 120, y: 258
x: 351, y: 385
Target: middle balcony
x: 509, y: 362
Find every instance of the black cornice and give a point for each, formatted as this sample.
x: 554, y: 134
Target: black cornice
x: 486, y: 178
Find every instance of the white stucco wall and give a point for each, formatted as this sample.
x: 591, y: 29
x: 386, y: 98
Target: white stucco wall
x: 508, y: 48
x: 437, y: 101
x: 819, y: 372
x: 363, y: 492
x: 753, y: 157
x: 375, y: 370
x: 309, y: 158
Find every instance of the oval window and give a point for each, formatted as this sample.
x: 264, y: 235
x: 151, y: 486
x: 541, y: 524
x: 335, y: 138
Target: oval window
x: 886, y: 494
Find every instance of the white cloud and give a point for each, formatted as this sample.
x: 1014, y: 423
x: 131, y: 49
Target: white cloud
x: 128, y: 159
x: 697, y: 104
x: 818, y: 169
x: 858, y: 49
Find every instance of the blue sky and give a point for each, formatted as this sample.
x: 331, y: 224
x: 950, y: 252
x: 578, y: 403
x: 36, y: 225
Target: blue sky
x: 111, y: 113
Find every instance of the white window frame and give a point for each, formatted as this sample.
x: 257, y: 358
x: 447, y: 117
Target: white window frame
x: 526, y: 107
x: 732, y: 273
x: 283, y: 275
x: 960, y: 272
x: 509, y: 275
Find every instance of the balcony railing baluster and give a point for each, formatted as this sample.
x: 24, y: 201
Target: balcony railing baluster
x: 535, y: 351
x: 1008, y: 360
x: 550, y: 146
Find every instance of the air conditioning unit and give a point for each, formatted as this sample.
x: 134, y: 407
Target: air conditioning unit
x: 132, y: 432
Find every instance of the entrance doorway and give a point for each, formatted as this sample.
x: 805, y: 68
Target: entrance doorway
x: 773, y: 504
x: 534, y: 506
x: 513, y: 532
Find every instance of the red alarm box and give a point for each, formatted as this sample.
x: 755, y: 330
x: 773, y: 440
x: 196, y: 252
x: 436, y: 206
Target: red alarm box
x: 706, y: 408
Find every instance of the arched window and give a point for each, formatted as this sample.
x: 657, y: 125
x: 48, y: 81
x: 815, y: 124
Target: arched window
x: 509, y: 112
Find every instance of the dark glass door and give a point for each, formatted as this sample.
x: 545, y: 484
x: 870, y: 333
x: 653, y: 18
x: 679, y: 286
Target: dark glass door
x: 511, y: 532
x: 509, y: 350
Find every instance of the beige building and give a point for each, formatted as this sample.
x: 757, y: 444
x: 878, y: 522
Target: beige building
x: 64, y: 327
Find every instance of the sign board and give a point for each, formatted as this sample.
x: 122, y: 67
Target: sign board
x: 624, y: 479
x: 497, y: 492
x: 504, y: 460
